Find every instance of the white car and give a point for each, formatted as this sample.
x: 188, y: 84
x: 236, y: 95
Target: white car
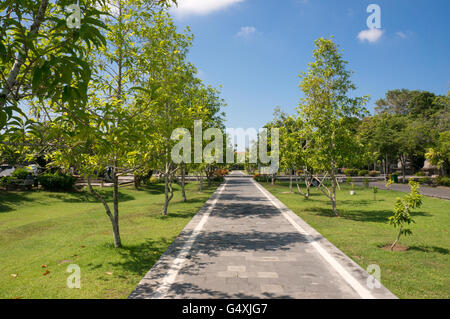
x: 6, y: 170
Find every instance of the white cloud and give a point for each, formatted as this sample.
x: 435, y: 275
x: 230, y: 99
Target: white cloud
x: 371, y: 35
x: 201, y: 7
x: 401, y: 34
x: 245, y: 32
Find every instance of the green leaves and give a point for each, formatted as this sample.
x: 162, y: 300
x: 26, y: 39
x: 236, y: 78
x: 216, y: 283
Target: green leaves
x: 402, y: 210
x: 330, y: 116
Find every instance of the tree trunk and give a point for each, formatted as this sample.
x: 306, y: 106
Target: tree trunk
x: 114, y: 219
x: 397, y: 239
x: 333, y: 192
x: 403, y: 161
x: 308, y: 180
x: 117, y: 241
x: 166, y: 193
x: 387, y: 166
x: 290, y: 181
x: 137, y: 180
x: 166, y: 184
x: 183, y: 182
x: 201, y: 181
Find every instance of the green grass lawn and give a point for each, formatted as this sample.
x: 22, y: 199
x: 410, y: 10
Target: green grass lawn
x: 58, y: 229
x: 422, y: 271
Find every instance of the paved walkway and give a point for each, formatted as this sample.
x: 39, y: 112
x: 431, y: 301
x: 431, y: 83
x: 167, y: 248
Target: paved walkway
x: 438, y: 192
x: 244, y: 243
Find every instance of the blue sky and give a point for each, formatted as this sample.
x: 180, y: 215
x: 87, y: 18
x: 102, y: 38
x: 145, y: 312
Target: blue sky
x: 256, y: 48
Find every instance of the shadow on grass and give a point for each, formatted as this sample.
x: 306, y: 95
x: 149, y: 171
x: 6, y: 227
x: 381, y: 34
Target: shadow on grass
x: 182, y: 214
x: 84, y: 196
x: 379, y: 216
x: 140, y: 258
x: 8, y: 199
x: 430, y: 249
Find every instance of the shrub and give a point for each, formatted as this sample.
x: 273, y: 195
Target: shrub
x: 57, y: 182
x: 363, y: 172
x: 420, y: 174
x: 349, y: 180
x: 21, y: 173
x: 374, y: 173
x: 8, y: 181
x: 154, y: 180
x: 350, y: 172
x: 260, y: 178
x: 218, y: 179
x: 443, y: 181
x: 220, y: 172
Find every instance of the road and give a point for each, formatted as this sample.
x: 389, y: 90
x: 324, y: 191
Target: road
x: 244, y: 243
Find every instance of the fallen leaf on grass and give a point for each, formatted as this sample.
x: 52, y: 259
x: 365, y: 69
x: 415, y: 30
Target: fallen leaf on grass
x: 64, y: 261
x: 109, y: 273
x: 83, y: 246
x: 46, y: 273
x: 18, y: 297
x: 155, y: 252
x: 44, y: 266
x: 14, y: 275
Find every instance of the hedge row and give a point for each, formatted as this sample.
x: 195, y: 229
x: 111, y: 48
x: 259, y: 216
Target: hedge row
x: 57, y: 182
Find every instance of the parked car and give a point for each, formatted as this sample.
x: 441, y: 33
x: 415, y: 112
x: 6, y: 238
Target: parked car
x: 6, y: 170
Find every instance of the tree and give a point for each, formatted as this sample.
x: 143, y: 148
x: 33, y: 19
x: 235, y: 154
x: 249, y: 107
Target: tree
x: 396, y: 102
x: 402, y: 211
x: 439, y: 155
x: 325, y: 110
x: 41, y: 57
x: 113, y: 132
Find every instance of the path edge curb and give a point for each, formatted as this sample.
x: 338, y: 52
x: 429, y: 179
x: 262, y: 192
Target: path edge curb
x: 345, y: 261
x: 151, y: 280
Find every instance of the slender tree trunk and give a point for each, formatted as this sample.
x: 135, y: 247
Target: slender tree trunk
x: 273, y: 179
x: 137, y: 180
x: 397, y: 239
x: 308, y: 180
x: 290, y: 180
x: 183, y: 182
x: 403, y: 161
x: 166, y: 183
x: 308, y: 190
x: 117, y: 241
x: 201, y: 181
x: 387, y: 166
x: 333, y: 192
x: 166, y: 194
x: 113, y: 218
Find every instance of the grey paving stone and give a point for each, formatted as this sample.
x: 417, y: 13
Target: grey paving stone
x: 247, y: 249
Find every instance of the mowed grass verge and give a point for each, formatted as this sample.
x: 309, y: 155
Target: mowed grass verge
x: 58, y: 229
x: 420, y: 272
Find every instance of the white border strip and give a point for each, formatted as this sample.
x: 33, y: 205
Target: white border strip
x: 179, y: 261
x: 361, y: 290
